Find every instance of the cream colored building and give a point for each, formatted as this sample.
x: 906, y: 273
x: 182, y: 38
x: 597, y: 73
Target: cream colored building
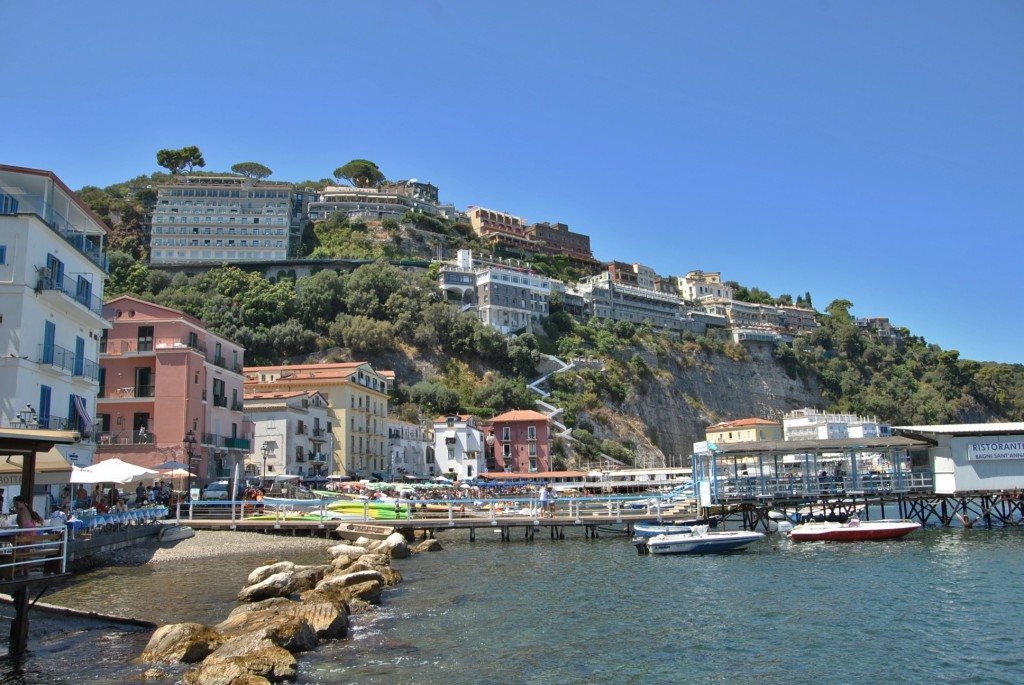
x: 357, y: 395
x: 743, y: 430
x: 216, y: 219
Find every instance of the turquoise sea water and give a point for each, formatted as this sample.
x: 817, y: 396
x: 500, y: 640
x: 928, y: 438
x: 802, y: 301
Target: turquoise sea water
x: 941, y: 606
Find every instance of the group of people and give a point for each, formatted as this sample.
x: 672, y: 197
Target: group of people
x: 114, y: 500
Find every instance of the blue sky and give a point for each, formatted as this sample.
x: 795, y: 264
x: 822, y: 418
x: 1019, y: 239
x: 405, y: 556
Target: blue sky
x: 869, y: 151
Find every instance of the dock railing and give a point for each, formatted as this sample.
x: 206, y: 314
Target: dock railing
x: 26, y: 550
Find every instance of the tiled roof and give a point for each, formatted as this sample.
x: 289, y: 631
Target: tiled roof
x: 742, y: 423
x: 520, y: 415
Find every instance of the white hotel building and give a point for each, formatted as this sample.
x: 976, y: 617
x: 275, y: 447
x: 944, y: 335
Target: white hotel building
x: 216, y: 219
x: 53, y: 263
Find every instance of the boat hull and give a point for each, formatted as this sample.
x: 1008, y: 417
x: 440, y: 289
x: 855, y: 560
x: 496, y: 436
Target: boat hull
x: 175, y: 533
x: 855, y: 532
x: 691, y: 543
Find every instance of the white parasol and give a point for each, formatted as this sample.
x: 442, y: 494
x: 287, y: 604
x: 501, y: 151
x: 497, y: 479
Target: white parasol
x: 111, y: 471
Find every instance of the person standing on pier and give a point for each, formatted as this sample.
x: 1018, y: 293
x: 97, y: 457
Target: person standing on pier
x: 542, y: 502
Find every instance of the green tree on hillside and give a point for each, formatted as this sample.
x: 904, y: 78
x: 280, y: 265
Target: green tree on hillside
x: 253, y: 170
x: 361, y: 173
x: 176, y: 160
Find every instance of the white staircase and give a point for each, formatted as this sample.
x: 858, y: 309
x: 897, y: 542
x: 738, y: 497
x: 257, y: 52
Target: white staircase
x: 550, y: 410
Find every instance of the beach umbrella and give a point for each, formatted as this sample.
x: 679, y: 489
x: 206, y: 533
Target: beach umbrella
x: 111, y: 471
x: 171, y: 465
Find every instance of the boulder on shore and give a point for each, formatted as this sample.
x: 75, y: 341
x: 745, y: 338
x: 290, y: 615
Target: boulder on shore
x: 241, y: 657
x: 181, y: 642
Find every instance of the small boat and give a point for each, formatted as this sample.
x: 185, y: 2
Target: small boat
x: 698, y: 541
x: 854, y: 530
x: 173, y: 533
x: 649, y: 530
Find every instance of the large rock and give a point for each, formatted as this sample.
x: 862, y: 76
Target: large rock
x: 306, y: 577
x: 428, y: 545
x: 327, y: 621
x: 276, y: 585
x: 285, y: 627
x: 242, y: 657
x: 395, y: 546
x: 345, y: 550
x: 260, y: 574
x: 181, y: 642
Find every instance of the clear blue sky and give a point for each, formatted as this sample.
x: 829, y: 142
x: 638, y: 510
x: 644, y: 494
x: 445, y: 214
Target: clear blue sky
x: 869, y: 151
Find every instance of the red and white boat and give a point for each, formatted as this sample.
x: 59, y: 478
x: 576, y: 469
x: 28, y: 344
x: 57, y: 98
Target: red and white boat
x: 854, y: 530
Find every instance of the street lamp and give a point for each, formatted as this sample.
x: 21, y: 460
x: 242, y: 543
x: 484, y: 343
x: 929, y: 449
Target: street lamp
x: 28, y: 417
x: 190, y: 443
x: 267, y: 450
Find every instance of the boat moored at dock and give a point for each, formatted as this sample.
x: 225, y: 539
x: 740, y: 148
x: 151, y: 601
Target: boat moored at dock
x: 853, y: 530
x: 698, y: 541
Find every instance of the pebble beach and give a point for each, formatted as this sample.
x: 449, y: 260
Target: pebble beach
x: 216, y: 543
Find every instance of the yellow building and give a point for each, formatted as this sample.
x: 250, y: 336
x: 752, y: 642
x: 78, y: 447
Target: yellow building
x: 743, y: 430
x: 358, y: 409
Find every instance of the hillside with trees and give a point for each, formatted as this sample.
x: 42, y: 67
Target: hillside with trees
x: 645, y: 394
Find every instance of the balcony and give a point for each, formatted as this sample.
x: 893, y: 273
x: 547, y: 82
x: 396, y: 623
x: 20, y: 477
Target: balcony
x: 128, y: 392
x: 66, y: 360
x: 220, y: 401
x: 243, y: 444
x: 237, y: 406
x: 79, y: 291
x: 89, y: 244
x: 124, y: 438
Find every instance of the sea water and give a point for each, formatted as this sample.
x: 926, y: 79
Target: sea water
x: 939, y: 606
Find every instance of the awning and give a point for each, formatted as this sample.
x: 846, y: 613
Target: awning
x: 80, y: 407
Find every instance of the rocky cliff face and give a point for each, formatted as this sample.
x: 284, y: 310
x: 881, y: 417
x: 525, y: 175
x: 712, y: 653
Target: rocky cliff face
x: 664, y: 416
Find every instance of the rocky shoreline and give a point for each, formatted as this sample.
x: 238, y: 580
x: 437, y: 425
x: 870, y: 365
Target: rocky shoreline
x: 284, y: 609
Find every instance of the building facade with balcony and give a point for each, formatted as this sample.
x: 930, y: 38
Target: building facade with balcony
x: 813, y: 424
x: 412, y: 450
x: 502, y: 297
x: 522, y: 441
x: 217, y: 219
x: 391, y: 200
x: 53, y: 263
x: 291, y: 434
x: 162, y: 374
x: 357, y: 396
x: 459, y: 447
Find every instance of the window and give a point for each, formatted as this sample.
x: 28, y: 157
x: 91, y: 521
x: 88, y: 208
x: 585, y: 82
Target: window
x: 3, y: 254
x: 531, y: 433
x: 145, y: 339
x: 506, y: 433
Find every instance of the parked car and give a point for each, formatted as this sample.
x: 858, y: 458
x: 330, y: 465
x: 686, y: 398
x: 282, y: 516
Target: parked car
x: 220, y: 489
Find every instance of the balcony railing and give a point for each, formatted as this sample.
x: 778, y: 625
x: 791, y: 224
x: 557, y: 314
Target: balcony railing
x: 220, y: 401
x: 123, y: 437
x: 66, y: 360
x: 237, y: 406
x: 71, y: 288
x: 129, y: 392
x: 89, y: 244
x: 238, y: 444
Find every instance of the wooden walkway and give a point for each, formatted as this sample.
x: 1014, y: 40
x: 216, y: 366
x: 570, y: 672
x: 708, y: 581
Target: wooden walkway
x: 510, y: 526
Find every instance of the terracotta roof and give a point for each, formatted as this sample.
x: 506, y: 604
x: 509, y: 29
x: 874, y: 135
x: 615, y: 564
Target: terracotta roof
x: 460, y: 417
x: 742, y: 423
x: 520, y: 415
x: 274, y: 395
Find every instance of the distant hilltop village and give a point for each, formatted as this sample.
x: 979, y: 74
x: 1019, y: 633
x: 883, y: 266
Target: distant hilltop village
x: 208, y: 221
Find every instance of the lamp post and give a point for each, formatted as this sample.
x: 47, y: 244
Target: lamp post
x: 28, y: 417
x: 267, y: 449
x: 190, y: 443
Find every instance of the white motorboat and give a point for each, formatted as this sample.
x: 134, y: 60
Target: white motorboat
x: 854, y: 530
x: 649, y: 530
x: 698, y: 541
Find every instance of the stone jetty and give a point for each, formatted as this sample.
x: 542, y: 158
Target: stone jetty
x: 284, y: 610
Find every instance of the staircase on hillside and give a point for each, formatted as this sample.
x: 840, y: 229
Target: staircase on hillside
x: 550, y: 410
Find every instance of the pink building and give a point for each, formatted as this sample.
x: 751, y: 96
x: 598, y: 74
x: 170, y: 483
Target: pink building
x: 162, y: 374
x: 522, y: 441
